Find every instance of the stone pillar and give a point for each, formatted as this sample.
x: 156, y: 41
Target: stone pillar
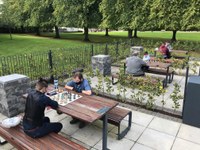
x: 12, y: 87
x: 139, y: 49
x: 102, y: 63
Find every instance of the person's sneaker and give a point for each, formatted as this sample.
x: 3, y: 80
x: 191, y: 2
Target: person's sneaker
x: 73, y: 121
x: 82, y: 124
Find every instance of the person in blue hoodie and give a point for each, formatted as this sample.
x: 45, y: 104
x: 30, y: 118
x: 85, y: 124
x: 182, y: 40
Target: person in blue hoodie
x: 80, y: 85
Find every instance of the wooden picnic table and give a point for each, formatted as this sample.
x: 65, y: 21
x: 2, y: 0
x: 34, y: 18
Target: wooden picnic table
x: 158, y: 64
x: 161, y: 65
x: 179, y: 51
x: 90, y: 109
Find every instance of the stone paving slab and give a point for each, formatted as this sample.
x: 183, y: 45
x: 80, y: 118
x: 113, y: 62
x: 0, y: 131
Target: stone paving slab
x: 134, y: 133
x: 113, y: 145
x: 140, y: 147
x: 90, y: 134
x: 156, y: 140
x: 165, y: 126
x: 189, y: 133
x: 181, y: 144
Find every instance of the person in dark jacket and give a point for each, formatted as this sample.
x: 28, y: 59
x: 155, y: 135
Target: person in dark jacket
x: 35, y: 124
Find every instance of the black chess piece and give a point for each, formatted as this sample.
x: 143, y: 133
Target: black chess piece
x: 74, y: 96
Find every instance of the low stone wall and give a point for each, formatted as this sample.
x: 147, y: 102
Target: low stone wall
x: 12, y: 87
x: 102, y: 63
x: 138, y: 49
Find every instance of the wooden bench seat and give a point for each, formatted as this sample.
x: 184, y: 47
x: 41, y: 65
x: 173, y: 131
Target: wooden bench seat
x: 116, y: 115
x: 169, y: 75
x: 53, y: 141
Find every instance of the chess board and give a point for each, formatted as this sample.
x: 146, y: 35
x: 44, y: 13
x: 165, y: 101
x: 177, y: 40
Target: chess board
x: 65, y: 97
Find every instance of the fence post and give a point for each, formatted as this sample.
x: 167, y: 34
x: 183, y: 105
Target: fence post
x: 50, y: 64
x: 185, y: 89
x: 132, y: 44
x: 106, y: 49
x: 199, y: 71
x: 92, y: 50
x: 117, y: 50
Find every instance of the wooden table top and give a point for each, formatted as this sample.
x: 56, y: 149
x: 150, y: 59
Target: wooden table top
x: 179, y: 51
x: 87, y: 108
x: 158, y: 64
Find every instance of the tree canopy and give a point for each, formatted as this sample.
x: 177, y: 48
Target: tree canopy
x: 173, y: 15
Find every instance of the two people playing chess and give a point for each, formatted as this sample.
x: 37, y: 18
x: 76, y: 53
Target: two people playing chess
x: 35, y: 124
x: 80, y: 85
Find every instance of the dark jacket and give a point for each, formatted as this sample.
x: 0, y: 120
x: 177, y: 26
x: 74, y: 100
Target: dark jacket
x: 36, y: 103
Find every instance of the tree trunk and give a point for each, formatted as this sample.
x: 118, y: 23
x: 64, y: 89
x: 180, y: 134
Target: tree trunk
x: 174, y: 35
x: 86, y: 35
x: 38, y: 31
x: 135, y: 33
x: 106, y: 32
x: 57, y: 32
x: 130, y: 33
x: 22, y: 29
x: 10, y: 32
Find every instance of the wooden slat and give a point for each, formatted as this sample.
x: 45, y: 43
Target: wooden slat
x: 159, y: 71
x: 117, y: 114
x: 158, y: 64
x: 21, y: 141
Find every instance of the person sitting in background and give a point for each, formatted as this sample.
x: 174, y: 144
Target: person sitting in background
x: 135, y: 65
x: 80, y: 85
x: 146, y: 57
x: 164, y: 51
x: 35, y: 124
x: 168, y: 45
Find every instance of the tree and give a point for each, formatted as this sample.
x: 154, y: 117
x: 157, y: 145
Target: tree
x: 139, y: 15
x: 6, y: 16
x: 40, y: 14
x: 61, y: 14
x: 125, y: 9
x: 169, y: 14
x: 191, y: 16
x: 109, y: 15
x: 78, y: 13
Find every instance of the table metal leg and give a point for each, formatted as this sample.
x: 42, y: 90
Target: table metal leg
x: 167, y: 76
x: 105, y: 132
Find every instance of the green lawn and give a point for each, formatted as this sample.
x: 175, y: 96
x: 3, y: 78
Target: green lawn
x: 23, y: 43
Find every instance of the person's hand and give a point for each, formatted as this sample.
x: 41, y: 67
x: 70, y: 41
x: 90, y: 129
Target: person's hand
x: 59, y: 112
x: 79, y: 90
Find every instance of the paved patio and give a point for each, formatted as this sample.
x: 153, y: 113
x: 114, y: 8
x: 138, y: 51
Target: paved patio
x: 148, y: 132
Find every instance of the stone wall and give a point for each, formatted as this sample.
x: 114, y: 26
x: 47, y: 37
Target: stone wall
x: 102, y: 63
x: 12, y: 87
x: 138, y: 49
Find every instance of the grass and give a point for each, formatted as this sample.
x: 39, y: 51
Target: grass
x: 24, y: 43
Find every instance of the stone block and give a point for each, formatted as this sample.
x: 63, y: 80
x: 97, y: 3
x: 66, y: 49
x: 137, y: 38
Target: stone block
x: 102, y: 63
x: 138, y: 49
x: 12, y: 87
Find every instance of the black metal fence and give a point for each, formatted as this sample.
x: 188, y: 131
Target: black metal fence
x: 61, y: 61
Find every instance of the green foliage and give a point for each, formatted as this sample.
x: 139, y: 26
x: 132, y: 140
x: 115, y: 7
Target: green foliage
x: 176, y: 96
x: 191, y: 16
x: 109, y: 87
x: 109, y: 15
